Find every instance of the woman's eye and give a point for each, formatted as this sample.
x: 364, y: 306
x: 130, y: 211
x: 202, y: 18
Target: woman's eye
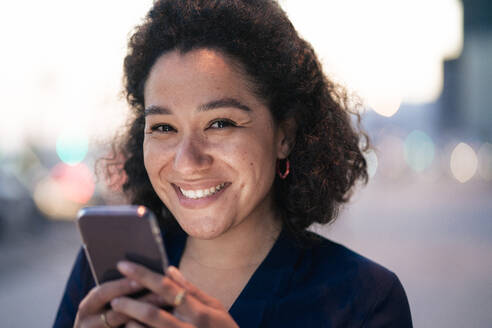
x: 222, y: 123
x: 163, y: 128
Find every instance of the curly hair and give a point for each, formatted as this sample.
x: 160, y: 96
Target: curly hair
x: 326, y: 160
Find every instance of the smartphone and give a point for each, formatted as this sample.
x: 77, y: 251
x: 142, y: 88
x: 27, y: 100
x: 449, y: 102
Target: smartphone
x: 114, y: 233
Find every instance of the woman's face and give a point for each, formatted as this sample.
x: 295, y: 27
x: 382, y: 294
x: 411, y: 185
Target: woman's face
x: 210, y: 144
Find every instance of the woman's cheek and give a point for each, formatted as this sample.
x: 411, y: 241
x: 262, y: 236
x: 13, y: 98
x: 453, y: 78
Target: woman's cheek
x: 156, y: 153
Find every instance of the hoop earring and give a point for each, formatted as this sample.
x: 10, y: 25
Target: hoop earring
x: 287, y: 169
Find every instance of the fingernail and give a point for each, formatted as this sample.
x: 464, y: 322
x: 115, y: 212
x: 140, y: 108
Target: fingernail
x: 176, y: 274
x: 124, y: 267
x: 134, y: 284
x: 115, y: 302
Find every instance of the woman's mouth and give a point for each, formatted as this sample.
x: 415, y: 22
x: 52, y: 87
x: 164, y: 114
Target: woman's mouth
x: 195, y: 198
x: 201, y: 193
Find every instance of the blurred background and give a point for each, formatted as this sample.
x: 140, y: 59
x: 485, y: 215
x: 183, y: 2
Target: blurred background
x: 422, y: 68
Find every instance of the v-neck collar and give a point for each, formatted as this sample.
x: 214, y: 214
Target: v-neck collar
x: 270, y: 277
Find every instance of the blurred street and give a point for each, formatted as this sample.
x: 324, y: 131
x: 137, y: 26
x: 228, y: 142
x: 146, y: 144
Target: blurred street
x: 33, y: 273
x: 435, y: 236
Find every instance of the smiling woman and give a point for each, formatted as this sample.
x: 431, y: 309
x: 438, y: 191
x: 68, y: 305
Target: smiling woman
x: 238, y: 143
x: 210, y: 132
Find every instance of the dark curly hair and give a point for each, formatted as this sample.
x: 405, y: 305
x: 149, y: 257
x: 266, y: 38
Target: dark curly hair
x: 326, y: 160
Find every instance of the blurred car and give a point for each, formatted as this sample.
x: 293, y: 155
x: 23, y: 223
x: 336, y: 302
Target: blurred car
x: 18, y: 212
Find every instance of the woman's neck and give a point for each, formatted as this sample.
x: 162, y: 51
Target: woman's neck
x: 242, y: 246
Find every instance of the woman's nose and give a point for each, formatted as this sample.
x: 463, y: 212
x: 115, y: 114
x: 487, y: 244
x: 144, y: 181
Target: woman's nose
x: 191, y: 157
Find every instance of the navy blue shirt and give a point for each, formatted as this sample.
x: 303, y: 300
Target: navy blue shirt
x: 326, y: 285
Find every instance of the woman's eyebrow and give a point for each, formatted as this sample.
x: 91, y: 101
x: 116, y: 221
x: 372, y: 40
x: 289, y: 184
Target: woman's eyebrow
x: 219, y: 103
x: 156, y: 110
x: 224, y: 102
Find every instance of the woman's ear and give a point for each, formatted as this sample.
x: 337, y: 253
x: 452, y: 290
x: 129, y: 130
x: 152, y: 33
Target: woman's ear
x: 286, y: 137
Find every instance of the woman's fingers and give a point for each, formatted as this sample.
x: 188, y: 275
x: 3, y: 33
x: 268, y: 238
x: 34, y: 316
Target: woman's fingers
x: 159, y: 284
x: 173, y: 273
x: 186, y: 307
x: 110, y: 318
x: 176, y: 275
x: 197, y: 307
x: 100, y: 295
x: 133, y: 324
x: 167, y: 286
x: 191, y: 305
x: 155, y: 299
x: 146, y: 313
x: 116, y: 319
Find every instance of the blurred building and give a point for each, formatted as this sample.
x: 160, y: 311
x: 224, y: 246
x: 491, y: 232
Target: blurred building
x: 465, y: 106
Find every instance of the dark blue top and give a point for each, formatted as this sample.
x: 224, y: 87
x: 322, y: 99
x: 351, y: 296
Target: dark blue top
x: 326, y: 285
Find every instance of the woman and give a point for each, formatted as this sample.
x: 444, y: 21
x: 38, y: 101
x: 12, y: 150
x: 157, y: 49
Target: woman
x: 239, y: 143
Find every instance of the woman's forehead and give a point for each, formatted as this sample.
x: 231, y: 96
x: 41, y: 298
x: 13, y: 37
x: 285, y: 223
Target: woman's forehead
x: 201, y: 74
x: 203, y: 60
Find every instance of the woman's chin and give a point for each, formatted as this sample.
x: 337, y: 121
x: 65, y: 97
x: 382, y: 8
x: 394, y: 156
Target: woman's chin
x: 204, y: 230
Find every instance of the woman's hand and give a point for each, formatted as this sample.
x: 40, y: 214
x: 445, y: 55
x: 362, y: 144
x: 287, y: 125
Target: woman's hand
x: 192, y: 307
x: 92, y: 311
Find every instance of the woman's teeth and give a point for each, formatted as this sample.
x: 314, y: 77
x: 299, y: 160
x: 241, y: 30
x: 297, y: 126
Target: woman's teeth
x: 195, y: 194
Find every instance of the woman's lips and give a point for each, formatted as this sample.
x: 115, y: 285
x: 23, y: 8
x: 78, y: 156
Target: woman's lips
x: 199, y: 202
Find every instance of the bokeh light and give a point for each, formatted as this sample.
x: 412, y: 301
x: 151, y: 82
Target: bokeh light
x: 49, y: 198
x: 463, y: 162
x: 72, y: 146
x: 64, y: 191
x: 384, y: 104
x: 75, y: 74
x: 419, y: 150
x: 401, y: 61
x: 485, y: 161
x: 76, y: 181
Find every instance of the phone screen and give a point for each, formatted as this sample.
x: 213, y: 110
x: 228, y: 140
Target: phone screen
x: 114, y: 233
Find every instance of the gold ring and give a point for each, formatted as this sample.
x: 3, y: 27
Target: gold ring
x: 105, y: 320
x: 179, y: 297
